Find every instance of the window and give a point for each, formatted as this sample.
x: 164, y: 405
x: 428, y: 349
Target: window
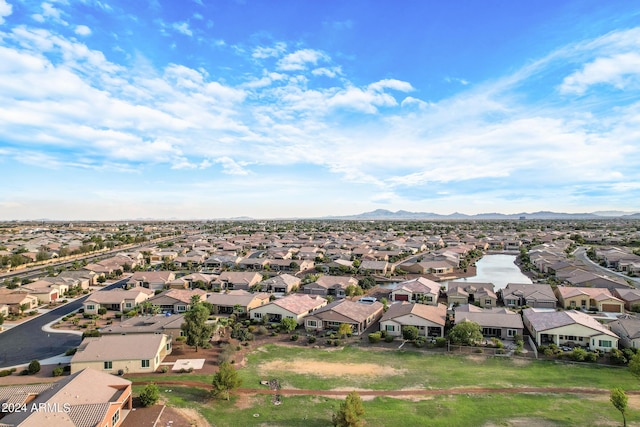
x: 511, y: 332
x: 145, y: 363
x: 602, y: 343
x: 572, y: 304
x: 583, y: 302
x: 91, y: 307
x: 168, y: 346
x: 429, y: 299
x: 181, y: 308
x: 389, y: 328
x: 257, y: 315
x: 487, y: 302
x: 128, y: 305
x: 115, y: 418
x: 312, y: 323
x: 108, y: 365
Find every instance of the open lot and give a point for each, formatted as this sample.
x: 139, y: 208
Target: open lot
x: 326, y: 375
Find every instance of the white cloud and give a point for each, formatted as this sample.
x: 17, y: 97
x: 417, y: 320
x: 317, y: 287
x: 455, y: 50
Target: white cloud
x: 327, y: 71
x: 5, y: 10
x: 262, y: 52
x: 183, y: 28
x: 83, y: 30
x: 619, y: 71
x: 231, y: 167
x: 301, y: 59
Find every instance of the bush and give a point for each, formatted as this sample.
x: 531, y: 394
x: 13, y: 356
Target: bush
x: 410, y: 333
x: 164, y: 369
x: 500, y: 351
x: 478, y: 350
x: 34, y: 367
x: 261, y: 330
x: 420, y: 342
x: 294, y: 337
x: 389, y: 338
x: 441, y: 342
x: 102, y: 311
x: 591, y: 357
x: 578, y: 354
x: 311, y: 339
x: 374, y: 338
x: 5, y: 373
x: 91, y: 333
x: 617, y: 357
x: 149, y: 395
x: 57, y: 372
x: 71, y: 351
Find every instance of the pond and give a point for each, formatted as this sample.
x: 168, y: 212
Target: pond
x: 497, y: 269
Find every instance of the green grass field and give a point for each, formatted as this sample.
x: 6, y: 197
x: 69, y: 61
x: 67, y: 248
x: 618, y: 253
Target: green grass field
x: 413, y: 370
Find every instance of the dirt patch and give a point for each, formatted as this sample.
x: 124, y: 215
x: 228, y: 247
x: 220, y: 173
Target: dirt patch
x: 523, y: 422
x: 194, y: 418
x: 520, y: 362
x: 326, y: 369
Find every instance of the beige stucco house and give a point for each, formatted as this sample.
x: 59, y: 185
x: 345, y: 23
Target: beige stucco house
x: 589, y: 298
x: 122, y: 354
x: 420, y: 290
x: 429, y: 319
x: 294, y: 306
x: 568, y: 328
x: 119, y: 300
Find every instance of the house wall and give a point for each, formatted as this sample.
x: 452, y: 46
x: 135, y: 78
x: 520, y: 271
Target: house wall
x: 579, y: 331
x: 452, y: 299
x: 270, y: 309
x: 409, y: 320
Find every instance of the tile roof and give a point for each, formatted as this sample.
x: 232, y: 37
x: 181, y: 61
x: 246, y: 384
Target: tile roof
x: 118, y: 347
x: 436, y: 314
x: 543, y: 320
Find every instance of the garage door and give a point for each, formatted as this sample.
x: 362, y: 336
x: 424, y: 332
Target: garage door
x: 611, y: 308
x: 401, y: 297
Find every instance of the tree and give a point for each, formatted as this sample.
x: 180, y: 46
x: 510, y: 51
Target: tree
x: 288, y: 324
x: 350, y: 412
x: 195, y: 328
x: 466, y: 333
x: 410, y: 333
x: 634, y: 365
x: 345, y: 330
x: 619, y: 399
x: 34, y: 367
x: 149, y: 395
x: 225, y: 380
x: 367, y: 282
x: 1, y: 319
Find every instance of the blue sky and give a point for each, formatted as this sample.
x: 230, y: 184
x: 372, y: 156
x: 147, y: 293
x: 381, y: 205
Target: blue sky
x: 198, y: 109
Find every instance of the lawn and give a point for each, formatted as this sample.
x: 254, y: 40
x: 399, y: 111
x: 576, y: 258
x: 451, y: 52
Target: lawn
x: 353, y: 368
x: 538, y: 409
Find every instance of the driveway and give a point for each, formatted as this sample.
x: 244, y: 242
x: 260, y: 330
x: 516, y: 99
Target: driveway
x: 27, y: 341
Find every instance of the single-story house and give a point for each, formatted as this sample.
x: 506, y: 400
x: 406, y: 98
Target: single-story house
x: 589, y: 298
x: 159, y: 324
x: 495, y: 322
x: 154, y: 280
x: 282, y: 283
x: 226, y: 302
x: 331, y: 316
x: 46, y: 291
x: 421, y: 290
x: 116, y: 300
x: 481, y: 294
x: 429, y: 319
x: 237, y: 280
x: 14, y: 300
x: 126, y: 354
x: 631, y: 297
x: 531, y: 294
x: 294, y: 306
x: 176, y: 300
x: 568, y: 328
x: 375, y: 267
x: 330, y: 286
x: 88, y: 397
x: 628, y: 329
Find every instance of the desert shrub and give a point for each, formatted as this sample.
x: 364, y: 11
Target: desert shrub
x: 164, y: 369
x: 478, y: 350
x: 71, y: 351
x: 591, y: 357
x: 311, y: 339
x: 617, y: 357
x: 374, y: 338
x: 34, y: 367
x: 5, y: 373
x: 441, y: 342
x: 420, y: 342
x: 578, y: 354
x: 261, y: 330
x: 500, y: 351
x: 91, y: 333
x: 58, y: 371
x: 383, y: 334
x: 389, y: 338
x: 294, y: 337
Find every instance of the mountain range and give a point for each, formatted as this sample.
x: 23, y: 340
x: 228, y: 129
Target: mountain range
x: 382, y: 214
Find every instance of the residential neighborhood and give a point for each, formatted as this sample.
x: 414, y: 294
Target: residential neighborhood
x: 562, y: 293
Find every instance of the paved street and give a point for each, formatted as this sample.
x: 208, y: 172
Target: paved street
x: 27, y: 341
